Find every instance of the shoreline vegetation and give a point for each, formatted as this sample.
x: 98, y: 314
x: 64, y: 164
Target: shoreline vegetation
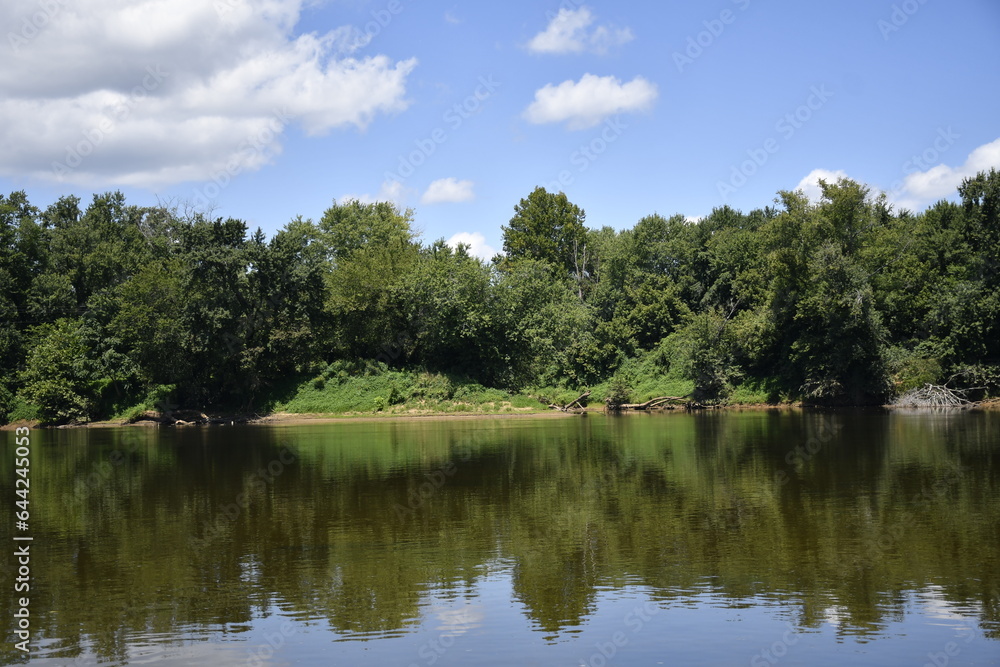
x: 457, y: 412
x: 122, y: 314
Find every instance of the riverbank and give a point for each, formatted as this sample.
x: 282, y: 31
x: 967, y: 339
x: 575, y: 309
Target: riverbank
x: 299, y: 419
x: 409, y: 395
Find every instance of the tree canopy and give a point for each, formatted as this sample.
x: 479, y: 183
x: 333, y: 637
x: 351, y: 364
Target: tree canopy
x: 840, y: 301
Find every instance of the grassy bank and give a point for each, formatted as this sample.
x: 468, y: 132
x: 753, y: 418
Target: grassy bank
x: 341, y: 390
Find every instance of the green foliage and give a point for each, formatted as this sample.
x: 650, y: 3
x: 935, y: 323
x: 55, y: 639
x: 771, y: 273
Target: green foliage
x: 705, y: 356
x: 58, y: 375
x: 158, y: 399
x: 549, y: 228
x: 843, y: 301
x: 21, y: 410
x: 371, y: 252
x: 353, y: 226
x: 619, y: 392
x: 911, y: 371
x: 7, y: 402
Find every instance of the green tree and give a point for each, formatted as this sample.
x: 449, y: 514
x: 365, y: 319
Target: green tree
x: 371, y: 248
x: 449, y: 301
x: 549, y: 228
x: 58, y: 376
x: 351, y: 226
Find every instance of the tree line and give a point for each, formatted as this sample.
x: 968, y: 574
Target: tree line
x: 842, y: 301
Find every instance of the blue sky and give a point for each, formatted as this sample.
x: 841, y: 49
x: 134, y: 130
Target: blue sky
x: 268, y: 109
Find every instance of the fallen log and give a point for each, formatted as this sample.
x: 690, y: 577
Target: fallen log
x: 653, y: 404
x: 569, y: 406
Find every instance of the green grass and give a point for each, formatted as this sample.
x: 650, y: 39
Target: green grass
x: 757, y: 392
x: 345, y: 389
x: 154, y: 401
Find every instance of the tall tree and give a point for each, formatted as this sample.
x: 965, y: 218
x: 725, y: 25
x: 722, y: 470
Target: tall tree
x: 549, y: 228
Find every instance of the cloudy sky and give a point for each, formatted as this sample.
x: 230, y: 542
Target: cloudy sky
x: 268, y: 109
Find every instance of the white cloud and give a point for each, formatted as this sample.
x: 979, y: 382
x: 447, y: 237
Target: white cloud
x: 810, y: 184
x: 452, y: 18
x: 918, y: 189
x: 476, y: 241
x: 586, y: 103
x: 155, y: 92
x: 447, y: 191
x: 390, y: 191
x: 926, y: 187
x: 567, y: 33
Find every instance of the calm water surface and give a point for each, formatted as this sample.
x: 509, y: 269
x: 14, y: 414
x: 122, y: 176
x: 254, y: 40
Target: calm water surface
x: 756, y: 538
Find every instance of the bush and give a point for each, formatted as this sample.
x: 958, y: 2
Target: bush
x: 21, y: 410
x: 432, y: 386
x: 909, y: 370
x: 619, y: 393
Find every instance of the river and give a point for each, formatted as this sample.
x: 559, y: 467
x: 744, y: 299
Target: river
x: 722, y: 538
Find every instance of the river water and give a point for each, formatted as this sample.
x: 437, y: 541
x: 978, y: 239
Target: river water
x: 723, y: 538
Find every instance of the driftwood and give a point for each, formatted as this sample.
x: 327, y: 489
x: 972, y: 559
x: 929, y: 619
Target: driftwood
x: 654, y: 404
x: 569, y: 406
x: 187, y: 418
x: 658, y: 403
x: 933, y: 396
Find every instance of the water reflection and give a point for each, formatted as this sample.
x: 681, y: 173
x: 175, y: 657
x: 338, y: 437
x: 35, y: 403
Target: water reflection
x: 842, y: 524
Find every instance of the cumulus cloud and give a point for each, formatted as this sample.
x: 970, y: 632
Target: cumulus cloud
x: 917, y: 189
x: 155, y: 92
x: 568, y: 32
x: 447, y: 191
x: 476, y: 242
x: 810, y: 184
x: 920, y: 188
x: 390, y: 191
x: 586, y: 103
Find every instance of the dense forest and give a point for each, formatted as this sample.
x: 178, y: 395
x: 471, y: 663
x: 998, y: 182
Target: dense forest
x: 114, y: 308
